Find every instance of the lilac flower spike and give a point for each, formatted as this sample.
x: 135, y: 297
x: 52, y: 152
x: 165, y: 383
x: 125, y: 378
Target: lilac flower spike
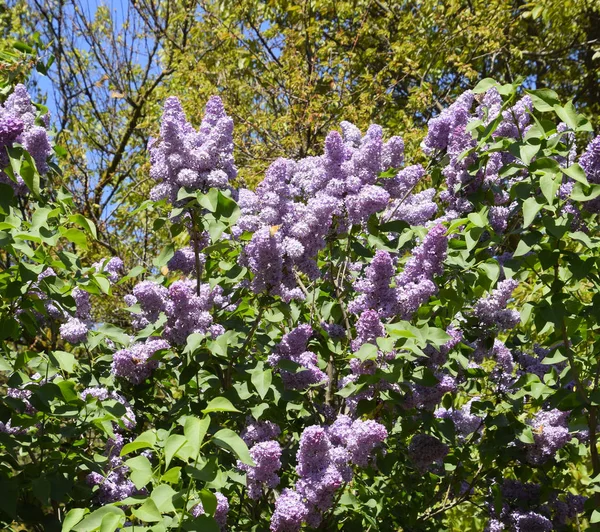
x: 492, y: 310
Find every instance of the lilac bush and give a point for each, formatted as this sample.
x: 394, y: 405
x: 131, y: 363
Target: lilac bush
x: 359, y: 343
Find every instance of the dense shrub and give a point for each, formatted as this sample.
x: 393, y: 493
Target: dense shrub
x: 357, y: 344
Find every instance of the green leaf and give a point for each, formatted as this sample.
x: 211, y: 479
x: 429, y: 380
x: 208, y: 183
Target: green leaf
x: 568, y: 115
x: 484, y: 85
x: 148, y: 512
x: 261, y: 379
x: 366, y: 352
x: 73, y: 517
x: 549, y: 185
x: 220, y: 404
x: 195, y: 430
x: 209, y: 501
x: 530, y: 209
x: 75, y: 235
x: 543, y: 100
x: 63, y: 360
x: 163, y: 498
x: 94, y: 520
x: 595, y: 517
x: 577, y: 173
x: 172, y: 445
x: 210, y: 200
x: 578, y: 193
x: 527, y: 436
x: 227, y: 439
x: 141, y: 471
x: 110, y: 522
x: 172, y: 476
x: 146, y: 440
x: 165, y: 256
x: 84, y: 222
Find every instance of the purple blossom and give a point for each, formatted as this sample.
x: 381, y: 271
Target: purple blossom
x: 550, y: 433
x: 267, y: 457
x: 290, y: 512
x: 368, y: 328
x: 74, y: 331
x: 492, y: 311
x: 293, y: 347
x: 221, y: 511
x: 464, y: 422
x: 424, y: 450
x: 374, y: 287
x: 416, y: 209
x: 363, y: 438
x: 259, y: 431
x: 113, y: 268
x: 184, y: 260
x: 135, y: 363
x: 195, y: 159
x: 441, y: 128
x: 515, y: 119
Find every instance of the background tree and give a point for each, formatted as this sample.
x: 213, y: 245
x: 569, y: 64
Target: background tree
x: 287, y: 72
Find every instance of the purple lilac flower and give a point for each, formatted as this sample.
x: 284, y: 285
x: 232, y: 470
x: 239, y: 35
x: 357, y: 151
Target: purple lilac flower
x: 134, y: 363
x: 530, y: 521
x: 293, y: 347
x: 492, y: 310
x: 267, y: 457
x: 442, y: 127
x: 363, y: 438
x: 259, y: 431
x: 368, y: 328
x: 416, y: 209
x: 490, y: 106
x: 113, y: 268
x: 428, y: 397
x: 406, y: 179
x: 319, y: 475
x: 550, y: 433
x: 74, y: 331
x: 290, y: 512
x: 221, y: 511
x: 415, y: 284
x: 515, y: 119
x: 424, y: 450
x: 374, y: 287
x: 184, y: 260
x: 195, y: 159
x: 568, y: 509
x: 17, y: 124
x: 102, y: 394
x: 152, y: 297
x: 464, y: 422
x: 113, y: 485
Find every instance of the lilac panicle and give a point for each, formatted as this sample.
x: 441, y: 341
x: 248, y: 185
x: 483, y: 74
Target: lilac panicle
x: 492, y: 310
x: 134, y: 363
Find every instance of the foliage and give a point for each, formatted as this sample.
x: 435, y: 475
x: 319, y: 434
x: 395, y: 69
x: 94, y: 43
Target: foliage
x: 339, y: 349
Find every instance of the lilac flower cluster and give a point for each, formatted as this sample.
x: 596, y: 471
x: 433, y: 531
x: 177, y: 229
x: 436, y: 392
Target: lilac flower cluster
x: 550, y: 433
x: 221, y: 511
x: 299, y: 203
x: 415, y: 284
x: 76, y: 328
x: 504, y: 368
x: 524, y: 511
x: 491, y: 310
x: 113, y: 268
x: 114, y: 484
x: 428, y: 397
x: 266, y: 454
x: 186, y: 157
x: 293, y: 347
x: 17, y: 124
x: 135, y: 363
x: 324, y: 459
x: 187, y: 311
x: 464, y: 421
x: 424, y: 450
x: 102, y: 394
